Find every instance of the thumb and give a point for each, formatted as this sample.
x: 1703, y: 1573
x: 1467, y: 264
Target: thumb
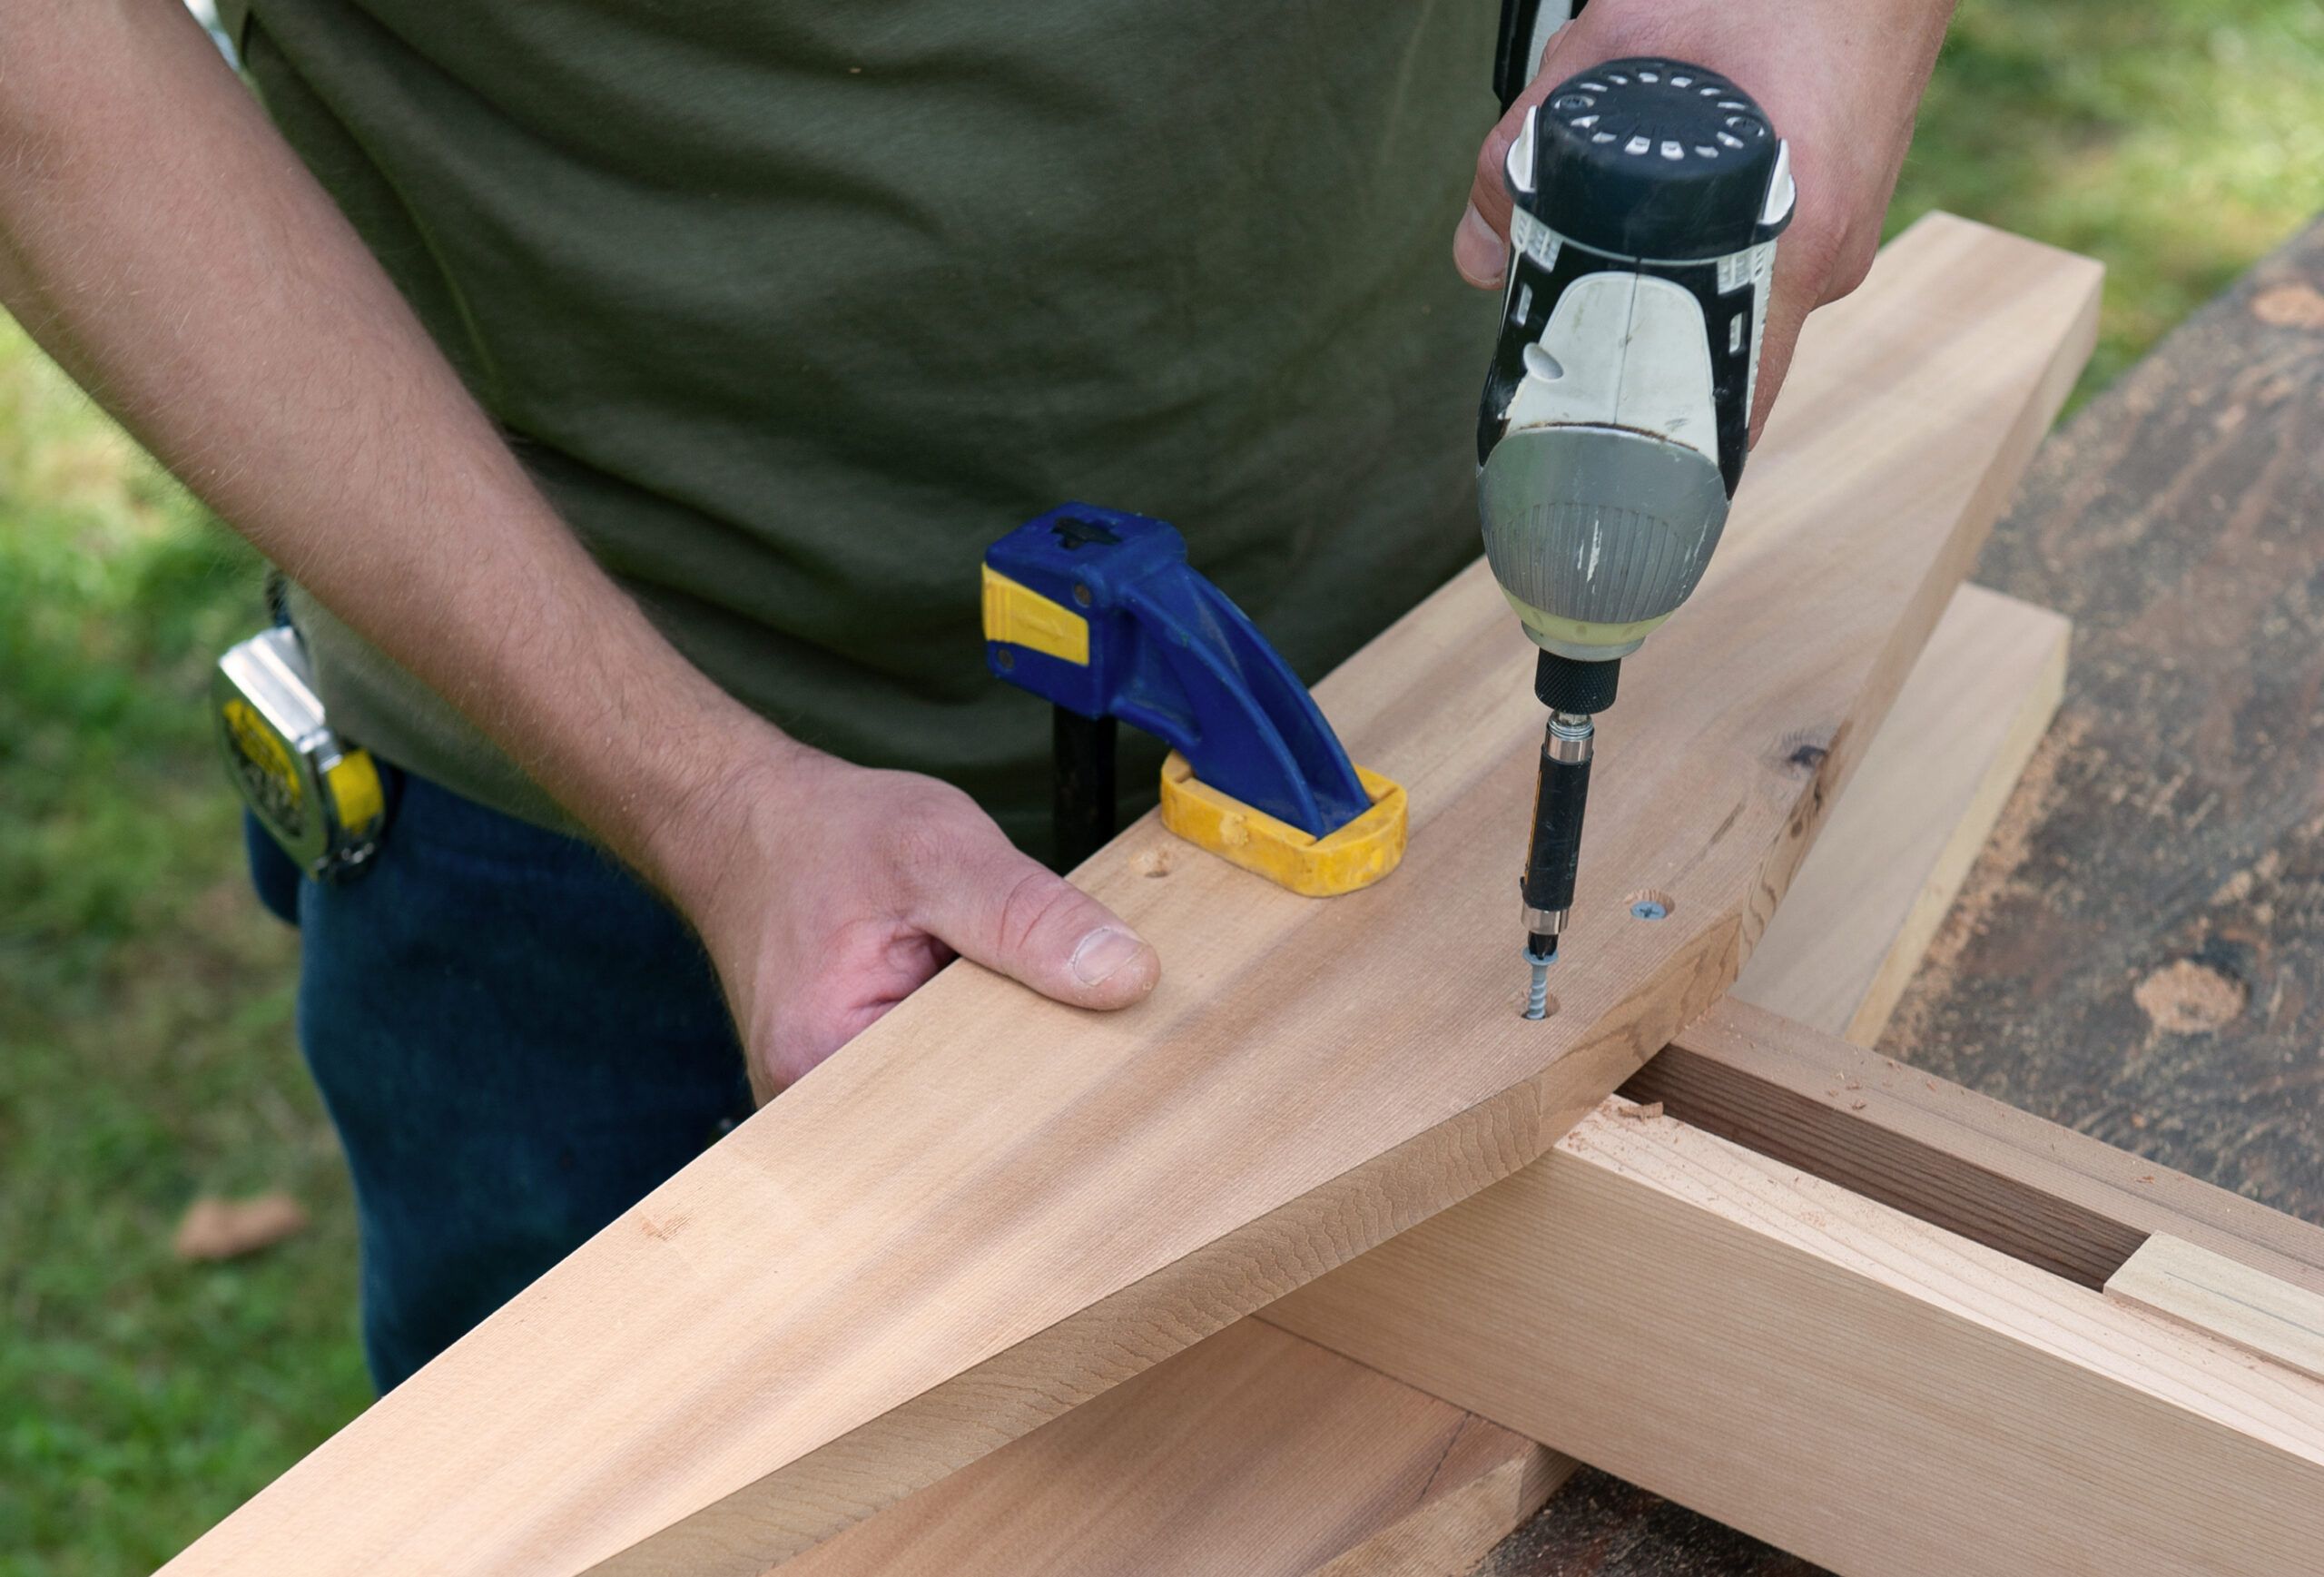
x: 1012, y: 915
x: 1481, y: 241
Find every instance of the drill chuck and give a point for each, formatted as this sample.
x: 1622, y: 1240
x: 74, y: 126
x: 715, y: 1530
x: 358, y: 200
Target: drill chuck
x: 1553, y: 854
x: 1574, y: 692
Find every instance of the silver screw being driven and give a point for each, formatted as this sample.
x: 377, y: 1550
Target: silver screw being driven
x: 1537, y: 995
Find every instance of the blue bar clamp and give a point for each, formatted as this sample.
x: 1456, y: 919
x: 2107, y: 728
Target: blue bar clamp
x: 1099, y: 613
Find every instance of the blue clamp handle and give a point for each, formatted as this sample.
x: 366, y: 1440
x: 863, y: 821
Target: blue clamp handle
x: 1167, y: 652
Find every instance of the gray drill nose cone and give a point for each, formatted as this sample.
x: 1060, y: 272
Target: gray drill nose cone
x: 1597, y: 524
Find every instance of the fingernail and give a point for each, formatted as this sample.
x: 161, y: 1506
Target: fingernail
x: 1477, y: 252
x: 1103, y: 952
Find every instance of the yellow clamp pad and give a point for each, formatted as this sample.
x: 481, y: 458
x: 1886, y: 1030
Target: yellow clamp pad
x: 1019, y: 614
x: 1357, y: 856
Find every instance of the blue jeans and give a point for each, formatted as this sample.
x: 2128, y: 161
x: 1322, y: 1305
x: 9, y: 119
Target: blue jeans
x: 517, y: 1041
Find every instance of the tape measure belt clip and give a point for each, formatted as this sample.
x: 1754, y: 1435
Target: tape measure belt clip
x: 322, y: 799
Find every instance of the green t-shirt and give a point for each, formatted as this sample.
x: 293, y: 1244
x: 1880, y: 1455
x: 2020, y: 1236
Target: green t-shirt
x: 793, y: 309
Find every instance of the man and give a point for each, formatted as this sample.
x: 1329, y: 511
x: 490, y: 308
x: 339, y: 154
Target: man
x: 629, y: 390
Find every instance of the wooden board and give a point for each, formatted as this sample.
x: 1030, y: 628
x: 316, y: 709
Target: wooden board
x: 1848, y: 937
x: 989, y: 1209
x: 1859, y: 917
x: 2043, y: 1194
x: 2274, y: 1319
x: 1252, y: 1452
x: 1211, y: 1460
x: 1849, y: 1381
x: 1870, y: 1392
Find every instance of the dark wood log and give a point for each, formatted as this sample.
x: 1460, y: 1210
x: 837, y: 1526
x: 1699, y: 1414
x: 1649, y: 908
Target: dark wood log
x: 2139, y: 953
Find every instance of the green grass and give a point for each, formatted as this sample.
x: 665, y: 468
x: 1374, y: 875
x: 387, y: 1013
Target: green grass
x: 2177, y: 141
x: 146, y: 1051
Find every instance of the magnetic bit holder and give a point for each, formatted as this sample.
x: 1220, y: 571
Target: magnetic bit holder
x: 1099, y: 612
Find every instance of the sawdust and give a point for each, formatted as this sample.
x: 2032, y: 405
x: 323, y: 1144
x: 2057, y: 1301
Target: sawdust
x: 2186, y: 997
x: 2035, y: 797
x: 2006, y: 851
x: 2289, y: 307
x: 2238, y: 889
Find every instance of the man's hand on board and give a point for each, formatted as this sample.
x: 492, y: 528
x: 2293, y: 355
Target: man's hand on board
x: 827, y: 893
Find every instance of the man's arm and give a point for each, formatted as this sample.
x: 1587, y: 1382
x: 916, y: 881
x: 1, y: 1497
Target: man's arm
x: 1841, y: 80
x: 165, y: 245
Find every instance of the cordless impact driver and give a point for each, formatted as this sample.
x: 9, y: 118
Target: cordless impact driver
x: 1646, y: 198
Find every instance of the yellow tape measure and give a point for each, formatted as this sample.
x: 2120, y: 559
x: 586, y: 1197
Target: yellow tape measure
x: 319, y: 797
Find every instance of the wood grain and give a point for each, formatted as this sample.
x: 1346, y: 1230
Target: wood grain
x: 2043, y: 1194
x: 2227, y: 1298
x: 1850, y: 935
x: 1860, y: 915
x: 2172, y: 826
x: 1886, y: 863
x: 989, y: 1209
x: 1868, y: 1391
x: 1251, y: 1452
x: 1457, y: 1531
x: 1227, y: 1458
